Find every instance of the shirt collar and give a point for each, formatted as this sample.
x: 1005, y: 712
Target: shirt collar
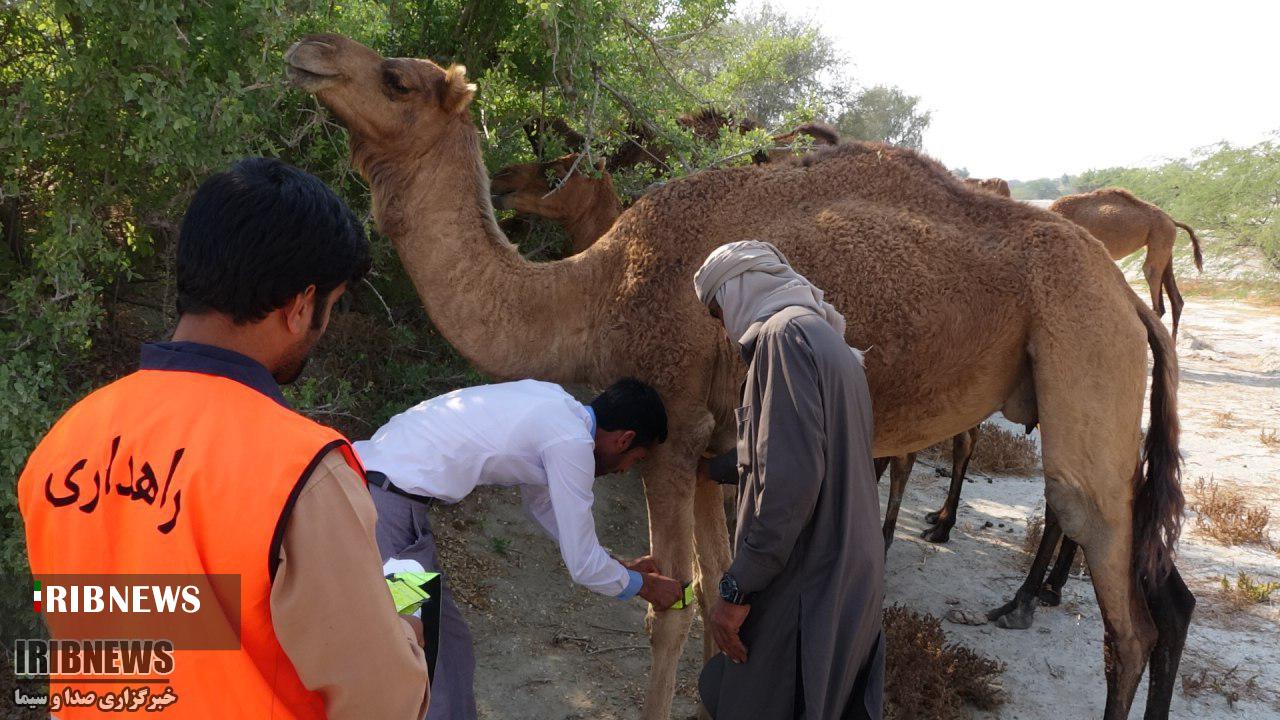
x: 211, y: 360
x: 591, y: 413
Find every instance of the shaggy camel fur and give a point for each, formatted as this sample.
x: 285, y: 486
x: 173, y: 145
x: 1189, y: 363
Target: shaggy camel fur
x: 1125, y: 224
x: 995, y: 185
x: 587, y: 207
x: 972, y: 302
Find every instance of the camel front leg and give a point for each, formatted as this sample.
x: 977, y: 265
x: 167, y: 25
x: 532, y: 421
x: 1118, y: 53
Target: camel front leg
x: 669, y: 491
x: 711, y: 549
x: 899, y: 470
x: 944, y: 519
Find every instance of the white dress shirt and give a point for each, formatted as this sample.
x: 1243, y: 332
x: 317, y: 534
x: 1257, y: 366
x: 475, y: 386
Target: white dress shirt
x: 527, y: 433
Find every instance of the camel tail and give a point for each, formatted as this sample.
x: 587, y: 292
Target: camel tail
x: 1195, y: 245
x: 1158, y: 507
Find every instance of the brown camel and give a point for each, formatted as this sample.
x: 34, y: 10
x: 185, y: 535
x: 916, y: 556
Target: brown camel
x: 972, y: 302
x: 562, y: 191
x: 587, y: 206
x: 1125, y: 224
x: 995, y: 185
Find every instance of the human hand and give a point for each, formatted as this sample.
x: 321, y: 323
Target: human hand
x: 644, y: 565
x: 726, y: 621
x: 662, y: 592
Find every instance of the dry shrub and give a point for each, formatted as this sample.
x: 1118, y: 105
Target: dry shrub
x: 1221, y: 682
x: 1246, y: 591
x: 1031, y: 543
x: 1223, y: 419
x: 996, y: 451
x: 1000, y: 451
x: 928, y: 678
x: 1227, y: 516
x: 1269, y: 437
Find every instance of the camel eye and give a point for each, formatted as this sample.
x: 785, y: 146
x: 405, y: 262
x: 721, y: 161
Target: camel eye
x: 392, y: 80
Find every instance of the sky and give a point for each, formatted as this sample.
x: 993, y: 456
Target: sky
x: 1031, y: 89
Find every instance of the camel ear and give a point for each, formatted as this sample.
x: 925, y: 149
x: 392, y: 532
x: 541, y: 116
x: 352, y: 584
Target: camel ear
x: 457, y: 92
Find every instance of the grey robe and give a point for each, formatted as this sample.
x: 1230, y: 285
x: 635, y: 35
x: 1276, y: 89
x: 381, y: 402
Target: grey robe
x: 808, y: 542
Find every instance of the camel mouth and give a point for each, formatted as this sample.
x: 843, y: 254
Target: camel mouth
x: 307, y: 68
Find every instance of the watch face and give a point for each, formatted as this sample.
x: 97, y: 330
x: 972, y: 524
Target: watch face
x: 728, y: 588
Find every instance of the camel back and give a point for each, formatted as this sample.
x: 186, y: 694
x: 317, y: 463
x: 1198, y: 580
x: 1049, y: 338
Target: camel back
x: 928, y: 272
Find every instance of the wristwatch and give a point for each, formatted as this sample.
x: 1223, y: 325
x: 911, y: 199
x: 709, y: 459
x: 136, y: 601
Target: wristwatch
x: 730, y: 593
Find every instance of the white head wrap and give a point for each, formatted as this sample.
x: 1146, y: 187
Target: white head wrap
x: 751, y: 280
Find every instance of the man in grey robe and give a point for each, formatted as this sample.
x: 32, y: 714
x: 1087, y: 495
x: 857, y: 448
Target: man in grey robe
x: 798, y: 620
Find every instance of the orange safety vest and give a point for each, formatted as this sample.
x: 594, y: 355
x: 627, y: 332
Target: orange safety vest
x: 203, y: 473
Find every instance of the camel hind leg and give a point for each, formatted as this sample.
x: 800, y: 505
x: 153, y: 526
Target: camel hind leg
x: 1153, y: 271
x: 1090, y: 371
x: 1175, y: 297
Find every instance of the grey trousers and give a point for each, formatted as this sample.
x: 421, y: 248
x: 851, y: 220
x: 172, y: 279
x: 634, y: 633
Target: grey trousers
x: 403, y: 531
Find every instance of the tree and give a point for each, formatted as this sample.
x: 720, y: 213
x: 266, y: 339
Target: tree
x: 1230, y: 190
x: 774, y: 68
x: 112, y: 112
x: 885, y: 114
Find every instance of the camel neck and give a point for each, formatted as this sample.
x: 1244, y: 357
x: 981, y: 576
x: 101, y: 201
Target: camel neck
x: 510, y: 317
x: 595, y: 219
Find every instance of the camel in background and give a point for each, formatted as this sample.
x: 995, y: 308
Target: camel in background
x: 972, y: 302
x: 561, y: 191
x: 583, y: 199
x: 1126, y: 224
x: 995, y: 185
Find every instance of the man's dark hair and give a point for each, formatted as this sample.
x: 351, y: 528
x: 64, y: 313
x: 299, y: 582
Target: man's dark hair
x: 632, y: 405
x: 259, y: 234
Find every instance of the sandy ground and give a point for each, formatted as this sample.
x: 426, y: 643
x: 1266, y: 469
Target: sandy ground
x: 548, y: 649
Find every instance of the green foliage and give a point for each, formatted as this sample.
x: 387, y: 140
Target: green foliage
x: 1230, y: 191
x: 1042, y: 188
x: 111, y: 113
x: 773, y: 68
x: 885, y: 114
x: 1248, y: 591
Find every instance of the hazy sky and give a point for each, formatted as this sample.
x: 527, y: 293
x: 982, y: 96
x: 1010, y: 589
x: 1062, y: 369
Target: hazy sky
x: 1031, y: 89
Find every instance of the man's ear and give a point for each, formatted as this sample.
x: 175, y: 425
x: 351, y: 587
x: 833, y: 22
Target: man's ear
x: 457, y: 93
x: 298, y: 311
x: 625, y: 440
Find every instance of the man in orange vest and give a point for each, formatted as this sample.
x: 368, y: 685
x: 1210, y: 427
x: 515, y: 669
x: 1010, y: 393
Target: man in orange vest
x: 207, y: 471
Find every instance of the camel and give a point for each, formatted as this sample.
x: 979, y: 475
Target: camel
x: 1126, y: 224
x: 995, y: 185
x: 587, y: 204
x: 587, y: 207
x: 558, y: 190
x: 972, y: 303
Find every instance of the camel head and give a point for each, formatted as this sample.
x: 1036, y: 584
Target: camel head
x: 556, y: 189
x: 389, y: 105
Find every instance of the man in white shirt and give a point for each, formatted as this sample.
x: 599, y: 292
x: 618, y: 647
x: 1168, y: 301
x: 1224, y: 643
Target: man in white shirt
x: 531, y: 434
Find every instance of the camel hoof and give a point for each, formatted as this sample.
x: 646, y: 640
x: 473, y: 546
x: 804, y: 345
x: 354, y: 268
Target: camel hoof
x: 937, y: 534
x: 1049, y: 597
x: 1013, y: 615
x: 1016, y: 620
